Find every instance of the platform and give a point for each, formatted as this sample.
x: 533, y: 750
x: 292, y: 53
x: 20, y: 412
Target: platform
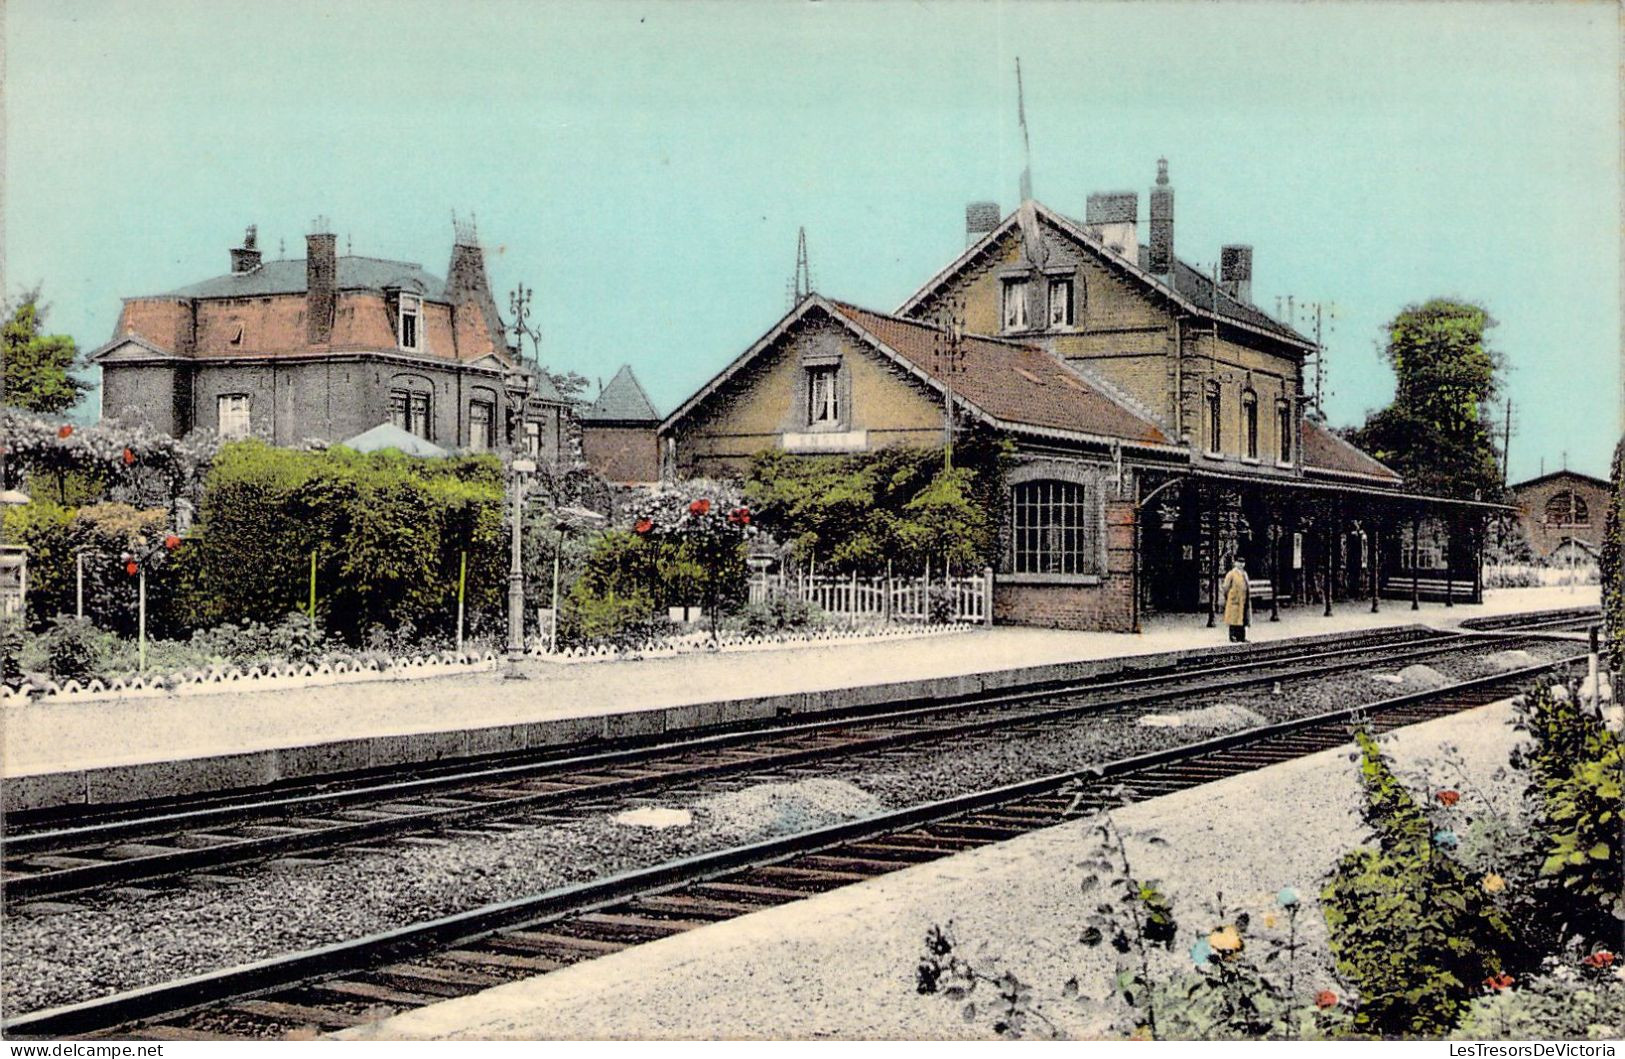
x: 112, y: 749
x: 841, y: 965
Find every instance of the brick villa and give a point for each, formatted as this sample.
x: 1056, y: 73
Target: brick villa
x: 328, y: 347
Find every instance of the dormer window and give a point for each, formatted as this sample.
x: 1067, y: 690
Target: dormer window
x: 1060, y: 302
x: 823, y: 395
x: 1015, y: 304
x: 411, y: 311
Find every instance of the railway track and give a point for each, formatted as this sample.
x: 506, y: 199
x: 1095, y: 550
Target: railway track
x: 179, y: 839
x: 355, y: 982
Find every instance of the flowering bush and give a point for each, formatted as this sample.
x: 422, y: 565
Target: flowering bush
x: 134, y: 464
x: 1575, y: 767
x: 1410, y: 926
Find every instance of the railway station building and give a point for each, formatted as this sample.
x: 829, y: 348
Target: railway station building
x: 1158, y: 418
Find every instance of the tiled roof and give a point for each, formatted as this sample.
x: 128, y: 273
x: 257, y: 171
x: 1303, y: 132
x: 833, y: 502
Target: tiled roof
x: 623, y: 400
x: 1325, y: 451
x: 1564, y: 473
x: 1014, y: 383
x: 288, y: 277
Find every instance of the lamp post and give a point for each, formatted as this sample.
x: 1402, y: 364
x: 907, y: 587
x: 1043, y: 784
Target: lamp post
x: 519, y: 468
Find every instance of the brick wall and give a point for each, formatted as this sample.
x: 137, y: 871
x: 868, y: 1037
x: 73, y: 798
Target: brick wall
x: 1104, y: 607
x: 1546, y: 536
x: 622, y: 453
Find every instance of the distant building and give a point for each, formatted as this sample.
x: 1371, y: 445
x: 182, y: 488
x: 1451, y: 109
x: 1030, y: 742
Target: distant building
x: 1561, y: 511
x: 327, y: 347
x: 618, y: 432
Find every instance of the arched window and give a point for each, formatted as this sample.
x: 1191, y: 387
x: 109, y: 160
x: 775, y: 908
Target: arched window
x: 1567, y: 508
x: 1215, y: 420
x: 1283, y: 418
x: 1249, y: 423
x: 1054, y: 528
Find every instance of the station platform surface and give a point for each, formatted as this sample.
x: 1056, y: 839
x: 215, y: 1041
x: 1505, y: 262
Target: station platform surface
x: 362, y: 725
x: 841, y: 965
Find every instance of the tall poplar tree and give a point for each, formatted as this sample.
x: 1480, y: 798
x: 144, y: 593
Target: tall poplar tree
x: 1437, y: 431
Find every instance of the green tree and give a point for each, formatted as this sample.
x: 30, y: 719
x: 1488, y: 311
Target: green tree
x: 38, y: 367
x: 1612, y: 562
x: 1436, y: 432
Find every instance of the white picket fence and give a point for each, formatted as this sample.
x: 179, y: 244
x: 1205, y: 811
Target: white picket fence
x: 901, y: 599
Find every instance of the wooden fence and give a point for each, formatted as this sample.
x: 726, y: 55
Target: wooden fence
x: 902, y: 599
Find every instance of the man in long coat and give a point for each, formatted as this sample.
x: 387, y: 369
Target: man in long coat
x: 1238, y: 604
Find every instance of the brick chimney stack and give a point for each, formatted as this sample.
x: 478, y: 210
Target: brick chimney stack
x: 246, y: 258
x: 980, y: 218
x: 1236, y: 272
x: 321, y: 282
x: 1113, y: 217
x: 1162, y: 222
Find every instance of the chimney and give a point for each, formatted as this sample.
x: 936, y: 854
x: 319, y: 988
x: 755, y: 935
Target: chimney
x: 468, y: 290
x: 321, y: 282
x: 1162, y: 223
x: 980, y: 218
x: 1113, y: 217
x: 246, y: 258
x: 1236, y: 272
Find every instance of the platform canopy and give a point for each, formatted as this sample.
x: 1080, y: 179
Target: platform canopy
x: 389, y: 436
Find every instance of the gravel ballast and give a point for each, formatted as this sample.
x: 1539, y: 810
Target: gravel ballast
x: 105, y: 943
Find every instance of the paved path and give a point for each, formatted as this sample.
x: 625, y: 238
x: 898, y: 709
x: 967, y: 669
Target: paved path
x: 41, y: 737
x: 841, y: 965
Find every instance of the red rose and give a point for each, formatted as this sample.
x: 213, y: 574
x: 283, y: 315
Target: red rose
x: 1325, y: 999
x: 699, y: 507
x: 172, y: 542
x: 1498, y: 982
x: 643, y: 525
x: 129, y: 457
x: 1448, y: 798
x: 132, y: 568
x: 64, y: 431
x: 740, y: 516
x: 1600, y: 959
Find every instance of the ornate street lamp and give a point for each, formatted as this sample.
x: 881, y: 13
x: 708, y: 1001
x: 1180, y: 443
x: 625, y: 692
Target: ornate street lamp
x: 519, y: 470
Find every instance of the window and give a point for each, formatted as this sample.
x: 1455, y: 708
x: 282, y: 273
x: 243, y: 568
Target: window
x: 233, y: 413
x: 823, y: 396
x: 1053, y: 529
x: 1567, y: 509
x: 1015, y: 305
x: 533, y: 438
x: 411, y: 309
x: 409, y: 410
x: 480, y: 415
x: 1283, y: 416
x: 1249, y: 422
x: 1214, y: 422
x: 1060, y: 303
x: 1426, y: 551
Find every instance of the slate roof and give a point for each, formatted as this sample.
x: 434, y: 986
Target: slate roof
x: 1196, y: 290
x: 1017, y: 384
x: 288, y: 277
x: 1325, y: 451
x: 623, y: 400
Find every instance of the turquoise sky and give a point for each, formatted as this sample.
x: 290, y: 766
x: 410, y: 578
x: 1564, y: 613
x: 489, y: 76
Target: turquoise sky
x: 645, y: 166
